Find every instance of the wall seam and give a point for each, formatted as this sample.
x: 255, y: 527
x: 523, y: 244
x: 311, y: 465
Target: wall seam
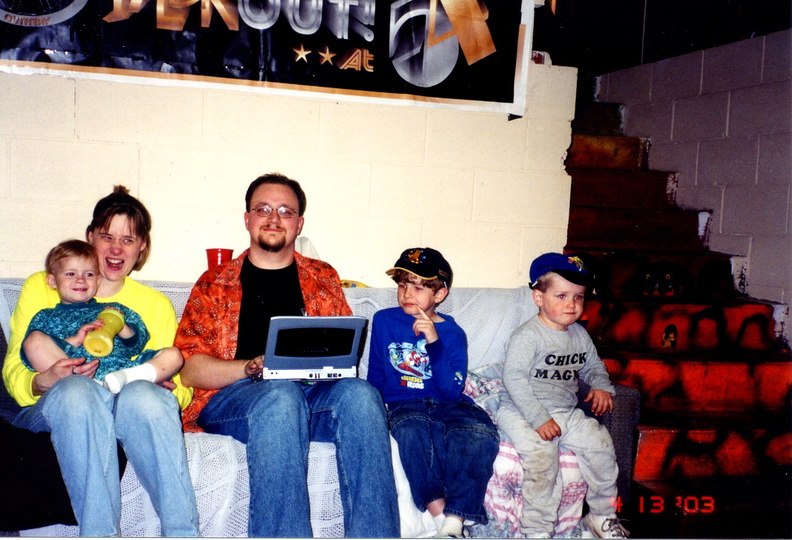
x: 764, y: 59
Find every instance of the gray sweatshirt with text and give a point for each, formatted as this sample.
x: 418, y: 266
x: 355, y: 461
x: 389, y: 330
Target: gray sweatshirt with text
x: 543, y: 366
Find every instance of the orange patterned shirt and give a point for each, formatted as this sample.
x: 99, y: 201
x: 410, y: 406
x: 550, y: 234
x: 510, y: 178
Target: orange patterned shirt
x: 210, y: 321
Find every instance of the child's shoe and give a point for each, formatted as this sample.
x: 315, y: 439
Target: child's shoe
x: 605, y: 526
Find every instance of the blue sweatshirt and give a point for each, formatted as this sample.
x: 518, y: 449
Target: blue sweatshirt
x: 404, y: 367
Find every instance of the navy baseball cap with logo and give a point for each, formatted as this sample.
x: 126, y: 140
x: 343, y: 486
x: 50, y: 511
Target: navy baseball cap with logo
x: 570, y: 267
x: 426, y: 263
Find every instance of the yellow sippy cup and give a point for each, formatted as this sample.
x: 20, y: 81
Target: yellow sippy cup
x: 99, y: 341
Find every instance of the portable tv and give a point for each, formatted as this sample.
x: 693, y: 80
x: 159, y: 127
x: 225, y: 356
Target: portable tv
x: 313, y: 348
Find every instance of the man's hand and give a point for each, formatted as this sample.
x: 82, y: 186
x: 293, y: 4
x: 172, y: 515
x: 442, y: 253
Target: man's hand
x: 549, y: 430
x: 424, y: 325
x: 601, y: 402
x: 255, y: 366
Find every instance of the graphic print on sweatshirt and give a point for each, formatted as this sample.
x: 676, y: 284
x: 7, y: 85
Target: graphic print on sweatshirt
x: 561, y: 367
x: 412, y: 361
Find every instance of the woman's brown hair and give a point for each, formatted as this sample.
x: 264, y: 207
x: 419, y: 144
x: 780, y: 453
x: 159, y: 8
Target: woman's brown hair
x: 121, y: 203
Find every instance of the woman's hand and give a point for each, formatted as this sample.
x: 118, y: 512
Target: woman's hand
x: 64, y: 367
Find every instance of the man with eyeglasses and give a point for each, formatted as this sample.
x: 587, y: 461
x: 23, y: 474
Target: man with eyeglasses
x: 222, y: 336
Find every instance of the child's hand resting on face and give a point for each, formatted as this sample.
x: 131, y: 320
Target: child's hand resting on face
x: 424, y: 325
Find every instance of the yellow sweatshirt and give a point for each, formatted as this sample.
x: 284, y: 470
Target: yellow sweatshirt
x: 154, y: 308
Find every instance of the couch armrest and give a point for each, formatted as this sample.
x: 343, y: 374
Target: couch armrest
x: 621, y: 425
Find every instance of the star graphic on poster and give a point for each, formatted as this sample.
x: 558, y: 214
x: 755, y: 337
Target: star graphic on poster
x: 302, y: 54
x: 327, y: 56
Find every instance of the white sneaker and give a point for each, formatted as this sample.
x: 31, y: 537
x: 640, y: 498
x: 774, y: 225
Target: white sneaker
x: 605, y: 526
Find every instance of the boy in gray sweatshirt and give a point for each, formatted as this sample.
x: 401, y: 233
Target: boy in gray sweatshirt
x: 545, y: 359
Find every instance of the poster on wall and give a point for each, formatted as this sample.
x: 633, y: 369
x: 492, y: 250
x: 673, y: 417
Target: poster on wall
x: 469, y: 53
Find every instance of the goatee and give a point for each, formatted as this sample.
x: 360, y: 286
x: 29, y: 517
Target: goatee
x: 272, y: 247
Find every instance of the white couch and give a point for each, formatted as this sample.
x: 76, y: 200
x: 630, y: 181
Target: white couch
x: 218, y: 467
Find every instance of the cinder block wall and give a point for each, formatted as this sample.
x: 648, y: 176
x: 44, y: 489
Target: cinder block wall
x: 722, y: 117
x: 492, y: 194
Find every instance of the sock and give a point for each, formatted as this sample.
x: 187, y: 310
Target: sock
x: 452, y: 526
x: 116, y: 380
x: 438, y: 520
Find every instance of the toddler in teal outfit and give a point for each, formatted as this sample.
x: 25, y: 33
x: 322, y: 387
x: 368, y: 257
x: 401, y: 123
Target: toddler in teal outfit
x: 73, y: 270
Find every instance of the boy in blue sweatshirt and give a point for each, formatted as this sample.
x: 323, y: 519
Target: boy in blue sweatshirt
x: 418, y: 360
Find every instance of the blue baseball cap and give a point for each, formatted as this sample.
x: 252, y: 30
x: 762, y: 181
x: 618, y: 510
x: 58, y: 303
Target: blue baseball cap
x: 570, y: 267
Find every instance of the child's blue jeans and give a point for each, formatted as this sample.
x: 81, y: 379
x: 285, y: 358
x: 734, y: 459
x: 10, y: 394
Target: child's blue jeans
x: 447, y: 450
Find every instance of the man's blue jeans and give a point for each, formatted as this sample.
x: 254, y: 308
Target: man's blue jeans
x: 277, y: 420
x: 85, y: 420
x: 447, y: 450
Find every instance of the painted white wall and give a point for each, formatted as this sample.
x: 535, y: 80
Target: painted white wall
x: 491, y: 194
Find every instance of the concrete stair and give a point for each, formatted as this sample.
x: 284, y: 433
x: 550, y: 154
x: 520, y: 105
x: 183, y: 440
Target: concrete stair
x: 686, y: 276
x: 670, y: 318
x: 733, y: 382
x: 708, y: 414
x: 638, y: 189
x: 655, y: 322
x: 627, y: 228
x: 608, y: 152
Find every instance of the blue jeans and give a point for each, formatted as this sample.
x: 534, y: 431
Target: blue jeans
x: 447, y: 450
x: 277, y: 420
x: 85, y: 421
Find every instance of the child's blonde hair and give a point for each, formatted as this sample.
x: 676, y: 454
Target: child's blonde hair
x: 544, y: 281
x: 69, y: 248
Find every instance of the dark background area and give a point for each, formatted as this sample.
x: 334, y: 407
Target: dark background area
x: 601, y: 36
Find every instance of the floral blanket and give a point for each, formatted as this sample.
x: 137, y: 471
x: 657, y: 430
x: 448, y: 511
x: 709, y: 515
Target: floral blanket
x: 503, y: 500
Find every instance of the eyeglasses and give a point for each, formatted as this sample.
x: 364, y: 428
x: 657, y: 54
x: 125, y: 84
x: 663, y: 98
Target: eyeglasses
x: 265, y: 210
x: 123, y: 240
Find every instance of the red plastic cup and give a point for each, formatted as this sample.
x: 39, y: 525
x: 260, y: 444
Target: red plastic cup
x: 218, y: 256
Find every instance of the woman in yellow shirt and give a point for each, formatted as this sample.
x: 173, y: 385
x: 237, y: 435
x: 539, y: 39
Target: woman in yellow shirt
x: 86, y: 420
